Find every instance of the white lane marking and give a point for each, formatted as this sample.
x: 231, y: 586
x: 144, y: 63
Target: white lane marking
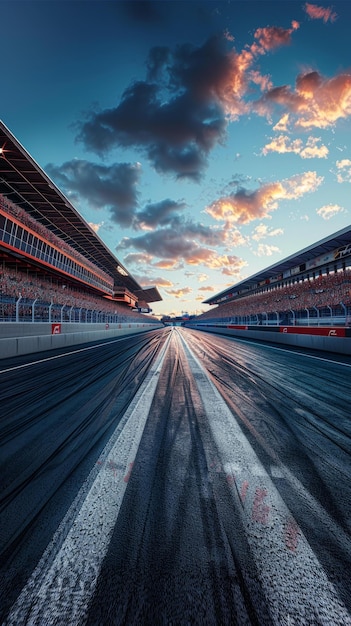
x: 60, y: 587
x: 340, y: 536
x: 266, y: 346
x: 294, y: 581
x: 59, y: 356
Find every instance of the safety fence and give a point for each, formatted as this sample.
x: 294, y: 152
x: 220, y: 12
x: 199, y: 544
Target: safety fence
x: 21, y: 309
x: 325, y: 316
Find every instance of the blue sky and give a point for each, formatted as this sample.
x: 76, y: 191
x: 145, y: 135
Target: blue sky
x: 203, y: 141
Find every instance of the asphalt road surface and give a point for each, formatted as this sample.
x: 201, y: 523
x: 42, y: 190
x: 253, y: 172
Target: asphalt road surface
x: 175, y: 478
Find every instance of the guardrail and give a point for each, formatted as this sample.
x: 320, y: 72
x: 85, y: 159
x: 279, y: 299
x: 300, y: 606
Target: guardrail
x: 326, y: 338
x: 27, y: 338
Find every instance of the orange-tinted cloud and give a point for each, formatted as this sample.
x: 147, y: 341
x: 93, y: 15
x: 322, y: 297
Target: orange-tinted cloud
x: 184, y: 242
x: 228, y: 263
x: 316, y: 12
x: 264, y: 250
x: 264, y: 82
x: 199, y: 299
x: 145, y: 281
x: 207, y: 288
x: 235, y: 83
x: 344, y: 171
x: 316, y: 102
x: 95, y: 227
x: 283, y: 124
x: 228, y: 36
x: 245, y: 206
x: 329, y: 210
x: 262, y: 231
x: 200, y: 277
x: 179, y: 293
x: 181, y: 111
x: 137, y: 258
x: 166, y: 264
x: 283, y: 144
x: 272, y: 37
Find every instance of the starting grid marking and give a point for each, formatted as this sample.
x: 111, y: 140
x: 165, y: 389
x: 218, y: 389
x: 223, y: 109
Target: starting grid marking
x: 295, y: 583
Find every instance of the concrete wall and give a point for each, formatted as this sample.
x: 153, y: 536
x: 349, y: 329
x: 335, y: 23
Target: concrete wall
x: 27, y: 338
x: 340, y: 345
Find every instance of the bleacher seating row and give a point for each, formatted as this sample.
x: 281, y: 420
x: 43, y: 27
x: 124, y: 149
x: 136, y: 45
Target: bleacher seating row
x: 323, y: 296
x: 27, y: 220
x: 26, y: 289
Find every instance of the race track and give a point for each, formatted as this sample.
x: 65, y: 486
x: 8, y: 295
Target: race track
x: 175, y: 478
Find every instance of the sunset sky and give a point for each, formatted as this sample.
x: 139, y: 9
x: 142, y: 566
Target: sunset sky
x: 203, y: 141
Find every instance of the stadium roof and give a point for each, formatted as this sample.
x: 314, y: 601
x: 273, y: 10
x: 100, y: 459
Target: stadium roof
x: 24, y: 182
x: 148, y: 294
x: 338, y: 240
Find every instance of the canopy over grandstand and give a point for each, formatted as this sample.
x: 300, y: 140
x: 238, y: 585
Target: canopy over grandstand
x: 26, y: 185
x: 323, y: 255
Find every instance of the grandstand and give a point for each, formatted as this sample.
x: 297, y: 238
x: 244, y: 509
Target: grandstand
x: 311, y: 287
x: 53, y: 266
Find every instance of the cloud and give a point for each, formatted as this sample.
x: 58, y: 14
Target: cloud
x: 181, y: 111
x: 228, y: 35
x: 264, y: 250
x: 329, y: 210
x: 283, y: 144
x: 283, y: 124
x: 95, y: 227
x: 272, y: 37
x: 158, y: 214
x: 238, y: 84
x: 208, y: 288
x: 159, y: 57
x: 316, y: 12
x: 297, y: 186
x: 316, y: 102
x: 344, y: 171
x: 264, y: 82
x: 313, y: 151
x: 137, y: 258
x: 146, y: 281
x: 102, y: 186
x: 175, y: 121
x: 244, y: 206
x: 166, y: 264
x: 163, y: 282
x: 179, y: 293
x: 228, y: 264
x: 200, y: 277
x: 187, y: 243
x: 262, y: 231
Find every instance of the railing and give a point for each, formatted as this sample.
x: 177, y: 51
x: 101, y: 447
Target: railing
x: 20, y: 309
x: 326, y: 316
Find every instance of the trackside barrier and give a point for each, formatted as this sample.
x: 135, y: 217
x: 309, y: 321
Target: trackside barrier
x: 27, y: 338
x: 325, y: 338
